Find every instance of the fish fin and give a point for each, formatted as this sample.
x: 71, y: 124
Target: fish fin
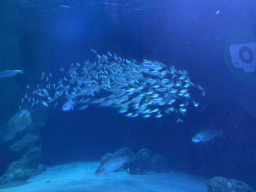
x: 22, y: 71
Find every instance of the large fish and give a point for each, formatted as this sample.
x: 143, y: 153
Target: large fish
x: 10, y: 73
x: 111, y: 164
x: 207, y: 135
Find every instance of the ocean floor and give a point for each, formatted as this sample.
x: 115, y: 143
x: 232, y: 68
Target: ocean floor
x: 79, y: 177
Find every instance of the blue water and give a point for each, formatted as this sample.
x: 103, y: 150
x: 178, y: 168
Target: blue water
x: 191, y: 35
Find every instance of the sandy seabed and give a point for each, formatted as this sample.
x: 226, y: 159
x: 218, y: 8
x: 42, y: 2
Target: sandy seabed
x: 80, y: 177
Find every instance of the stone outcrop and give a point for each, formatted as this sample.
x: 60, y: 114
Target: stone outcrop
x: 221, y: 184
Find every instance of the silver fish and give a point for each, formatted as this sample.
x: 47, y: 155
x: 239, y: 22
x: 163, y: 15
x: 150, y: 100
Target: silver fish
x: 10, y: 73
x: 207, y: 135
x: 180, y: 121
x: 111, y: 164
x: 94, y: 51
x: 44, y: 104
x: 83, y: 107
x: 69, y: 105
x: 42, y: 77
x: 158, y: 115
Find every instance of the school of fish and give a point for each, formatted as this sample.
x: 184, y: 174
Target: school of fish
x: 147, y: 89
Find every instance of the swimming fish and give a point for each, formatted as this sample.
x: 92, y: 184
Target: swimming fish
x: 111, y: 164
x: 207, y: 135
x: 135, y: 89
x: 44, y: 104
x: 10, y: 73
x: 69, y: 105
x: 83, y: 107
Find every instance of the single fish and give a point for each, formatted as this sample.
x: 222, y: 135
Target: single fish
x: 44, y: 104
x: 69, y: 105
x: 83, y: 107
x: 158, y: 116
x: 94, y: 51
x: 10, y: 73
x: 42, y: 77
x: 180, y: 121
x: 207, y: 135
x: 111, y: 164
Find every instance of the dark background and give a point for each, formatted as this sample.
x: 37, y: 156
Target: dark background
x: 186, y: 34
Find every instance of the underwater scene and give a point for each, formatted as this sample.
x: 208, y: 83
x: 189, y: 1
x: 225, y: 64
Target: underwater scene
x: 128, y: 96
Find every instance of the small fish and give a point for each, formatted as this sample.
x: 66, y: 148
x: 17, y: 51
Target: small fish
x: 28, y: 87
x: 86, y: 100
x: 182, y: 110
x: 135, y: 115
x: 105, y: 57
x: 186, y: 85
x: 174, y: 91
x: 207, y: 135
x: 94, y: 51
x: 187, y: 95
x: 111, y: 164
x: 123, y: 110
x: 81, y: 100
x: 44, y: 104
x: 98, y: 100
x: 10, y: 73
x: 171, y: 109
x: 158, y: 115
x: 195, y: 104
x: 83, y: 107
x: 129, y: 114
x: 69, y: 105
x: 202, y: 89
x: 183, y: 91
x: 154, y: 110
x: 171, y: 101
x: 40, y: 94
x: 182, y: 77
x: 42, y: 76
x: 180, y: 121
x: 109, y: 54
x: 147, y: 115
x: 65, y: 6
